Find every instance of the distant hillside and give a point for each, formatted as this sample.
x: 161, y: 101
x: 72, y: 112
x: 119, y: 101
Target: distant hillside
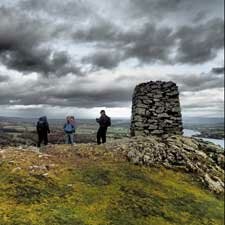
x: 194, y: 120
x: 202, y: 121
x: 186, y: 120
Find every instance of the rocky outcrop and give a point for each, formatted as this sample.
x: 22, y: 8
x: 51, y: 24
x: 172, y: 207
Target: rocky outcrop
x: 202, y: 159
x: 156, y: 109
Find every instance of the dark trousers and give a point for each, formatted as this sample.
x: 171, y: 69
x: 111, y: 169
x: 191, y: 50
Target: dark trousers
x: 42, y: 136
x: 101, y: 135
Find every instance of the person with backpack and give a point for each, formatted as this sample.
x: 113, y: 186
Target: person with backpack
x: 104, y: 122
x: 42, y: 130
x: 69, y: 129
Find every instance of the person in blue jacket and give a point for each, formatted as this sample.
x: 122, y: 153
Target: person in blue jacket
x: 69, y: 129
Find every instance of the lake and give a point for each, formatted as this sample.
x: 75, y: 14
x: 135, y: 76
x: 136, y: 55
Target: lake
x: 190, y: 133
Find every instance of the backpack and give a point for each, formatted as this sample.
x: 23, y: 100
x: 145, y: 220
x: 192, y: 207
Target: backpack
x: 108, y: 122
x: 69, y: 128
x: 41, y: 125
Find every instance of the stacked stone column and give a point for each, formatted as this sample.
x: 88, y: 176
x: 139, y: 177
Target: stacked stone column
x: 156, y: 109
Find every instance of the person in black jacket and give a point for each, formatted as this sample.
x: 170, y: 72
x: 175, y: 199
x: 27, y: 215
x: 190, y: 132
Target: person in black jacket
x: 104, y: 122
x: 42, y: 130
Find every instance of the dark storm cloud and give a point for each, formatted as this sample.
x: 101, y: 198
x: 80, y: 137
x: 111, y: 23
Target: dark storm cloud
x: 21, y: 40
x: 199, y: 44
x: 18, y: 30
x: 218, y: 70
x: 147, y: 43
x: 150, y: 43
x: 100, y: 31
x: 103, y: 59
x: 111, y: 97
x: 75, y: 95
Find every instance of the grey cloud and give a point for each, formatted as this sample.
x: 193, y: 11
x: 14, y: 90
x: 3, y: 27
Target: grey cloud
x: 171, y: 10
x: 103, y: 59
x: 112, y: 97
x: 151, y: 44
x: 92, y: 94
x: 199, y: 82
x: 97, y: 98
x: 148, y: 44
x: 200, y: 16
x: 66, y: 9
x: 199, y: 44
x: 21, y: 46
x: 207, y: 104
x: 109, y: 97
x: 74, y: 94
x: 18, y: 31
x: 155, y: 7
x: 40, y: 61
x: 100, y: 31
x: 78, y: 95
x: 3, y: 78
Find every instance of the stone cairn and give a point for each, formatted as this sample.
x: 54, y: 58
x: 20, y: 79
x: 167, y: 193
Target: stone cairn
x: 156, y: 109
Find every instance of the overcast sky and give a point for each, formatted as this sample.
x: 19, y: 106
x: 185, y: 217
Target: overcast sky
x: 78, y: 56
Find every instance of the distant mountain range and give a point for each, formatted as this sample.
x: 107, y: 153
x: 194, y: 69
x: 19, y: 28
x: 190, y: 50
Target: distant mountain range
x: 186, y: 120
x: 202, y: 120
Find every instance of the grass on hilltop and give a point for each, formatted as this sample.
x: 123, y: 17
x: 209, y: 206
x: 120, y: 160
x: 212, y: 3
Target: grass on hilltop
x: 93, y: 187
